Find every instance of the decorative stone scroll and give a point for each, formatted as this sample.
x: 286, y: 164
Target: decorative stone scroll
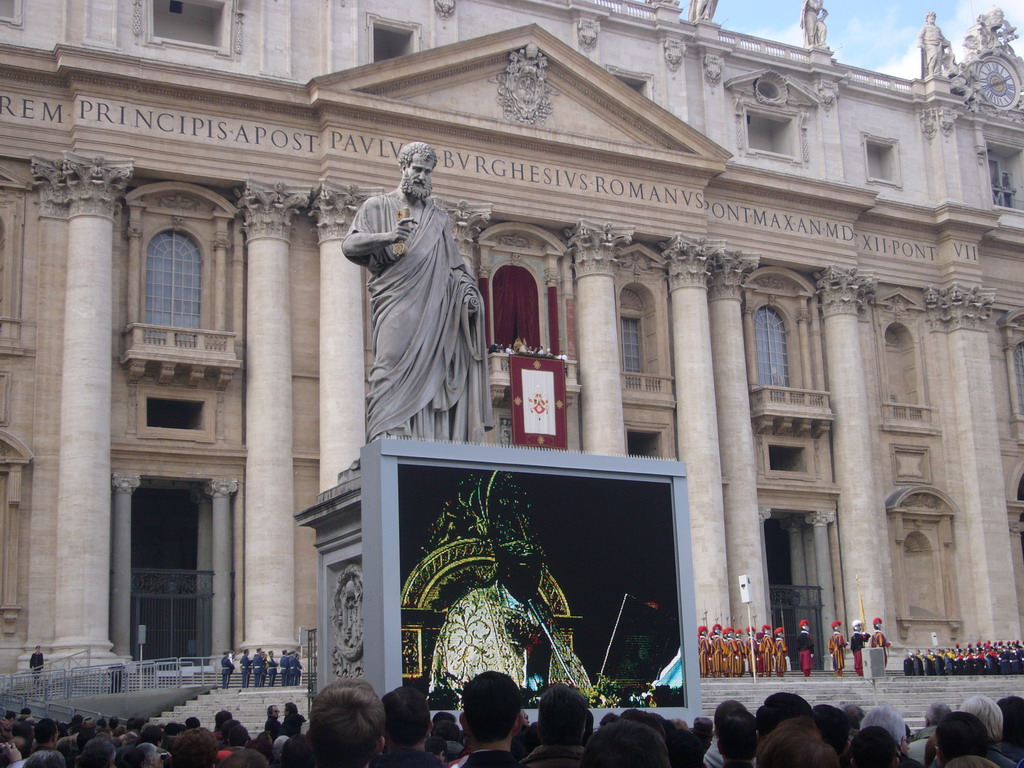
x: 347, y: 620
x: 956, y: 307
x: 221, y: 488
x: 81, y: 186
x: 334, y: 206
x: 467, y: 223
x: 587, y: 31
x: 821, y: 517
x: 123, y: 482
x: 764, y: 513
x: 845, y: 291
x: 689, y: 260
x: 269, y: 209
x: 594, y: 246
x: 523, y: 90
x: 675, y: 50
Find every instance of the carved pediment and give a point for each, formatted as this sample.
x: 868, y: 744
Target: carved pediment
x: 899, y: 301
x: 521, y: 80
x: 10, y: 178
x: 772, y: 89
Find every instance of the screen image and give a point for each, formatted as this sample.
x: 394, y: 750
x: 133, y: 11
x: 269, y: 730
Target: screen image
x: 546, y: 577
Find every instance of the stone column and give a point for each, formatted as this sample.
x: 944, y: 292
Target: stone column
x: 739, y: 468
x: 90, y: 188
x: 204, y: 533
x: 819, y: 522
x: 467, y: 222
x: 121, y: 563
x: 594, y: 250
x: 1017, y: 552
x: 861, y: 516
x: 962, y: 314
x: 764, y: 514
x: 797, y: 567
x: 269, y: 605
x: 342, y: 338
x: 689, y: 263
x: 221, y: 491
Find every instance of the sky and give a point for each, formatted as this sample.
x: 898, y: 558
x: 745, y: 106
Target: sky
x: 880, y: 35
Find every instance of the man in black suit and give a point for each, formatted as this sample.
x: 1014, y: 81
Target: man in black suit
x: 491, y: 716
x: 35, y: 663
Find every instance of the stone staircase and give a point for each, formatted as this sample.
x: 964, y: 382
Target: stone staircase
x: 910, y: 695
x: 248, y: 705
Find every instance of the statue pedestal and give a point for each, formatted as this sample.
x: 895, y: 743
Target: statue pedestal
x: 437, y: 561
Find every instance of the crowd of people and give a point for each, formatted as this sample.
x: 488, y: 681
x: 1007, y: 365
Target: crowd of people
x: 350, y: 726
x: 261, y: 668
x: 987, y: 658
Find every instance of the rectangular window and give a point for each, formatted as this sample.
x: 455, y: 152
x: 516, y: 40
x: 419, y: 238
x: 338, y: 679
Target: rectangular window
x: 642, y: 443
x: 174, y: 414
x: 7, y: 9
x: 199, y: 22
x: 770, y: 134
x: 881, y: 160
x: 786, y: 458
x: 1004, y: 175
x: 631, y: 345
x: 389, y: 43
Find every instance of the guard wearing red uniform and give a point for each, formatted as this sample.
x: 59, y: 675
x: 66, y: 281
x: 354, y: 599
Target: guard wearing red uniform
x: 837, y: 648
x: 781, y: 651
x: 766, y: 650
x: 718, y: 652
x: 704, y: 651
x: 878, y: 639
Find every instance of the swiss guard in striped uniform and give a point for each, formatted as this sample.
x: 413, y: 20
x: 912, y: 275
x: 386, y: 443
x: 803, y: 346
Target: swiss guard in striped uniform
x: 878, y: 639
x: 718, y: 652
x: 766, y: 650
x: 781, y: 651
x: 704, y: 651
x: 837, y: 648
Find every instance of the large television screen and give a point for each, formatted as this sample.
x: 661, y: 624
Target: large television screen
x: 549, y: 574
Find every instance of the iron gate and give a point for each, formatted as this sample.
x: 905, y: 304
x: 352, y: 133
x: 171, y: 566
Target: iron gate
x: 175, y: 608
x: 790, y: 605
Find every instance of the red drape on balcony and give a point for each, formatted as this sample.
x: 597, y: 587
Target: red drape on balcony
x: 516, y: 315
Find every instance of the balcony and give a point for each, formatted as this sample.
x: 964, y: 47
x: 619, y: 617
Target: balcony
x: 501, y: 381
x: 908, y: 418
x: 793, y: 412
x: 179, y: 355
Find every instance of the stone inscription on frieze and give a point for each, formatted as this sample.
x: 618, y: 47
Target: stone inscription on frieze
x: 168, y: 123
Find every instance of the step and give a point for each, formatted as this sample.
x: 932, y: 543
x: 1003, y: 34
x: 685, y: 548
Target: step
x: 247, y: 705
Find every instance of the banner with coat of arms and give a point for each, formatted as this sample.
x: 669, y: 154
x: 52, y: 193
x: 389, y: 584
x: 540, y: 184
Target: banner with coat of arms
x: 538, y: 401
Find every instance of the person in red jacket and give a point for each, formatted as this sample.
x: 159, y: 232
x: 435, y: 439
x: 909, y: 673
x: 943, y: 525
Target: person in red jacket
x: 805, y: 647
x: 837, y: 648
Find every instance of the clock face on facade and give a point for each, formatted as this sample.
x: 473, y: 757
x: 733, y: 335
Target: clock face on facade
x: 998, y: 84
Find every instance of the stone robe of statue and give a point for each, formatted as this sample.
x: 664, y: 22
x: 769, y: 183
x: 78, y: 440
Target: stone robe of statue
x: 429, y: 375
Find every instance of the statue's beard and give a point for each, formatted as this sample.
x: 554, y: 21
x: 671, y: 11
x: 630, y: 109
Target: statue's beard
x: 418, y: 190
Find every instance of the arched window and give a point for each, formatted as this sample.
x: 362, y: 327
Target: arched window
x: 901, y: 367
x: 1018, y: 368
x: 173, y: 281
x: 772, y: 355
x: 516, y: 315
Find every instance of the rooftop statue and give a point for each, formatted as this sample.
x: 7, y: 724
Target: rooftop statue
x: 702, y: 10
x: 936, y: 50
x: 812, y: 22
x: 990, y: 34
x: 429, y: 374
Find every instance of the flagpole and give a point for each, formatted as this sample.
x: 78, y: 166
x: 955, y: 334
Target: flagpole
x: 860, y: 601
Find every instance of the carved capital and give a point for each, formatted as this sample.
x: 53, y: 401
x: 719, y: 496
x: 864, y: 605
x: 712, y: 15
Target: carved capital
x: 1016, y: 528
x: 221, y: 488
x: 689, y: 260
x: 675, y: 50
x: 467, y: 222
x: 729, y: 272
x: 122, y: 482
x: 957, y: 307
x: 334, y: 206
x: 845, y: 291
x: 822, y: 517
x: 551, y: 276
x: 594, y: 246
x: 269, y: 209
x: 764, y: 513
x: 81, y: 186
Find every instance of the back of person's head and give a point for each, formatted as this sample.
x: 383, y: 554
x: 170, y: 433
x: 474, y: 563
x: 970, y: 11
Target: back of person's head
x: 46, y: 758
x: 150, y: 754
x: 244, y: 758
x: 151, y: 734
x: 886, y: 716
x: 84, y: 736
x: 195, y: 748
x: 873, y: 747
x: 238, y: 736
x: 436, y: 746
x: 704, y: 729
x: 936, y: 713
x: 970, y: 761
x: 132, y: 757
x: 23, y: 729
x: 1013, y: 719
x: 447, y: 730
x: 991, y: 716
x: 490, y: 705
x: 218, y: 720
x: 725, y: 709
x: 136, y: 723
x: 290, y: 709
x: 854, y: 716
x: 650, y: 719
x: 625, y: 744
x: 961, y: 733
x: 778, y: 708
x: 439, y: 716
x: 296, y: 753
x: 98, y: 753
x: 46, y: 730
x: 346, y: 724
x: 562, y: 716
x: 737, y: 736
x: 795, y: 742
x: 406, y: 716
x: 192, y: 723
x: 834, y: 727
x: 685, y: 749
